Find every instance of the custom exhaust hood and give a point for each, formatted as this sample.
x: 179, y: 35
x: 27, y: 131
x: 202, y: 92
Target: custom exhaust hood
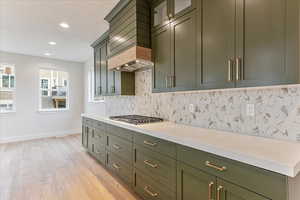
x: 129, y: 36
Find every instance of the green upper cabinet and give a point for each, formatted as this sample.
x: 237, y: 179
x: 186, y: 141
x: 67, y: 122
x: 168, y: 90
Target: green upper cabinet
x: 224, y: 44
x: 164, y: 11
x: 97, y: 71
x: 218, y: 43
x: 228, y: 191
x: 103, y: 64
x: 184, y: 60
x: 261, y: 39
x: 161, y: 44
x: 176, y: 64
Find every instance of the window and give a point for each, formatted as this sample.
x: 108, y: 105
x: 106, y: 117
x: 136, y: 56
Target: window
x: 54, y: 90
x: 7, y: 88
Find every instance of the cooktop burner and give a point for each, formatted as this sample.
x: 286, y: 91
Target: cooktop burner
x: 136, y: 119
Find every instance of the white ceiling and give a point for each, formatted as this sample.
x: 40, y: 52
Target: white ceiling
x: 26, y: 26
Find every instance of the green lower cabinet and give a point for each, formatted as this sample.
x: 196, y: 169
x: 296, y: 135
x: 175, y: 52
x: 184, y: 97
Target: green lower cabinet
x: 91, y: 138
x: 193, y: 184
x: 84, y: 137
x: 228, y: 191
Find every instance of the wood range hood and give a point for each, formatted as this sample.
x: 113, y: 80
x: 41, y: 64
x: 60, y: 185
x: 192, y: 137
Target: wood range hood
x: 129, y: 36
x: 132, y: 59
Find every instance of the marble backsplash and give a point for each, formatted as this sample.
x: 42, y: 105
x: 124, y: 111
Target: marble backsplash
x: 277, y: 109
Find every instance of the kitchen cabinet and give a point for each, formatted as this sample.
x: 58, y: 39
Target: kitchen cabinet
x: 97, y: 71
x: 158, y: 169
x: 261, y: 42
x: 161, y: 44
x: 193, y: 184
x: 100, y: 66
x: 218, y: 41
x: 165, y: 11
x: 247, y: 44
x: 84, y: 136
x: 108, y: 82
x: 175, y: 67
x: 103, y: 64
x: 228, y: 191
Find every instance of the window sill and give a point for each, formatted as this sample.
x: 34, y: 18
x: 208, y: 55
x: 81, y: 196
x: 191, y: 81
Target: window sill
x: 7, y: 112
x: 96, y: 101
x: 53, y: 110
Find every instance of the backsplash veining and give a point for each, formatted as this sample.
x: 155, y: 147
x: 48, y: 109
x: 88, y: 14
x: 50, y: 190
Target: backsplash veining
x: 277, y: 110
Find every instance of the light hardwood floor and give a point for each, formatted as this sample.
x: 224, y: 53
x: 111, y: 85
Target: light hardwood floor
x: 55, y: 169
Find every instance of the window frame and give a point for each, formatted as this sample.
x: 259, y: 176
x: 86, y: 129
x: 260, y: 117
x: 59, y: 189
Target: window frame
x: 50, y: 81
x: 9, y: 88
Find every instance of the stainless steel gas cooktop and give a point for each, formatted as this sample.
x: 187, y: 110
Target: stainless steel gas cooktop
x: 136, y: 119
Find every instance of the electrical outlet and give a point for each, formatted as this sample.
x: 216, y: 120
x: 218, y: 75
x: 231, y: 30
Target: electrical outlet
x: 250, y: 110
x: 192, y: 108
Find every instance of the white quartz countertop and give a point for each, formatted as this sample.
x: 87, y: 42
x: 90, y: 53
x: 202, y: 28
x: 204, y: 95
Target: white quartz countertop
x: 274, y: 155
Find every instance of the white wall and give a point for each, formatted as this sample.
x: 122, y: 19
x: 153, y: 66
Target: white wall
x: 89, y: 106
x: 27, y: 122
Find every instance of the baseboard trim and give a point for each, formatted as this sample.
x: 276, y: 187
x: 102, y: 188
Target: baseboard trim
x: 39, y: 136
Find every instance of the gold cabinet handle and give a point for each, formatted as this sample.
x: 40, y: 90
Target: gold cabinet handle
x: 116, y: 166
x: 230, y: 62
x: 219, y: 190
x: 211, y: 165
x: 238, y: 68
x: 116, y: 146
x: 210, y: 186
x: 147, y: 162
x: 146, y: 188
x: 150, y: 143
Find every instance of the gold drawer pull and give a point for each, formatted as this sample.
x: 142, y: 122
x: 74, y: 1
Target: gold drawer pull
x: 147, y: 162
x: 116, y: 146
x: 211, y: 165
x: 219, y: 190
x: 149, y: 143
x: 116, y: 166
x: 146, y: 188
x: 210, y: 186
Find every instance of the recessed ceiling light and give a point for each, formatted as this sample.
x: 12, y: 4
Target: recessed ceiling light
x: 52, y: 43
x: 47, y: 54
x: 64, y: 25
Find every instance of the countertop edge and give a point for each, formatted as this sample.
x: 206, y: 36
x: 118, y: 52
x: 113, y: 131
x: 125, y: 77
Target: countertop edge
x: 240, y: 157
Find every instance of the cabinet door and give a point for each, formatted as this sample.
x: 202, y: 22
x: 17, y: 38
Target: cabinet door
x: 91, y: 139
x: 218, y: 43
x: 160, y: 13
x: 261, y: 42
x: 185, y: 68
x: 84, y: 136
x: 181, y: 7
x: 193, y: 184
x: 103, y: 63
x: 161, y: 43
x: 97, y: 70
x: 111, y: 89
x: 228, y: 191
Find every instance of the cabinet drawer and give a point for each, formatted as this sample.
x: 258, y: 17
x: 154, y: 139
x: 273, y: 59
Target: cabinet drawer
x: 161, y: 168
x: 121, y: 132
x: 150, y: 190
x: 99, y: 153
x: 100, y: 137
x: 261, y: 181
x: 120, y: 168
x: 120, y: 147
x: 155, y: 144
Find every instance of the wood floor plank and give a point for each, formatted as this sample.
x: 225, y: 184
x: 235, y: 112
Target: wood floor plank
x: 55, y: 169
